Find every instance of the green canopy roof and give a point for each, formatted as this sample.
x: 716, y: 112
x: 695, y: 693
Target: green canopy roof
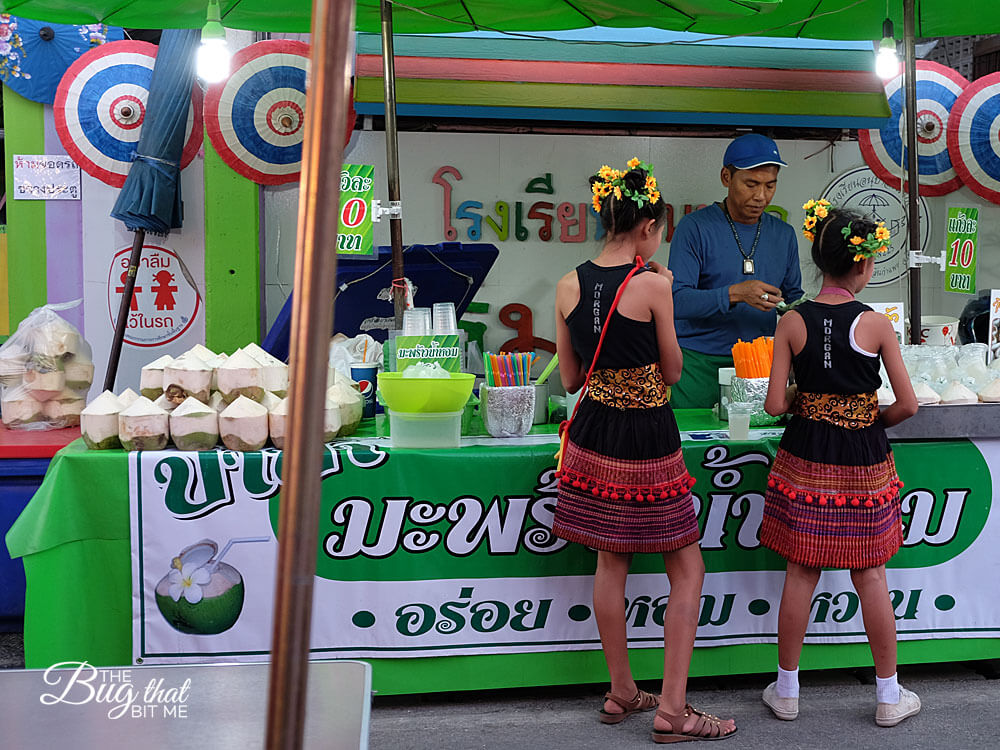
x: 817, y: 19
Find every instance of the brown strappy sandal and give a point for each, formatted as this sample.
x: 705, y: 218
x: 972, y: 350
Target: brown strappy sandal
x: 707, y: 727
x: 642, y: 701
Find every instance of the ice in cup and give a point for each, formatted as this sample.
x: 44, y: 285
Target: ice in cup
x: 739, y: 420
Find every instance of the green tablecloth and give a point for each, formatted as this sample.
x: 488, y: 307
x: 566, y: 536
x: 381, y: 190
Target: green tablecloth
x: 74, y: 538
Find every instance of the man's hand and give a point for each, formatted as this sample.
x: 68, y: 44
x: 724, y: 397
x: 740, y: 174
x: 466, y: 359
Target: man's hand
x: 755, y: 293
x: 662, y: 270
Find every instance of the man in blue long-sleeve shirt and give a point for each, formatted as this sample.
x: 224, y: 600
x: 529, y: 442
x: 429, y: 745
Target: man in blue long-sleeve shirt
x: 732, y: 264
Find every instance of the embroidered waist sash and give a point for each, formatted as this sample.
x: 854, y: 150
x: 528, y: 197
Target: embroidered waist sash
x: 853, y: 412
x: 629, y: 387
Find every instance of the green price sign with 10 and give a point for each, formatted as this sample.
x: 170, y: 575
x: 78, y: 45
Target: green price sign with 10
x: 960, y: 271
x: 354, y: 234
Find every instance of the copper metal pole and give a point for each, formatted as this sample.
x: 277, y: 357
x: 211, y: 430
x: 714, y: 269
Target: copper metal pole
x: 312, y: 322
x: 124, y: 307
x: 912, y: 174
x: 392, y: 157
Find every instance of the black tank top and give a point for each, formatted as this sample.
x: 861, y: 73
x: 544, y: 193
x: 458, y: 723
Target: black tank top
x: 628, y: 343
x: 830, y: 361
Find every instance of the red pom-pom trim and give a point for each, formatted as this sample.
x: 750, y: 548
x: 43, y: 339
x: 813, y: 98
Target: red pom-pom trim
x: 664, y: 495
x: 869, y: 504
x: 855, y: 502
x: 822, y: 501
x: 628, y: 495
x: 604, y: 494
x: 771, y: 483
x: 650, y: 498
x: 614, y: 495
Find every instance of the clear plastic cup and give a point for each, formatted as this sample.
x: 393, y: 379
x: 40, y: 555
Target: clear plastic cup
x: 417, y: 321
x: 444, y: 320
x: 739, y: 419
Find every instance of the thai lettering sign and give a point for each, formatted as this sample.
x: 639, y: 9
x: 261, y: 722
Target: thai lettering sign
x: 354, y: 234
x: 40, y: 177
x: 446, y: 350
x: 452, y: 552
x: 960, y: 249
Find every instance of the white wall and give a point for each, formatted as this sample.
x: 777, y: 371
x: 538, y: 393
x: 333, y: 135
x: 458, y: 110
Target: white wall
x: 498, y: 167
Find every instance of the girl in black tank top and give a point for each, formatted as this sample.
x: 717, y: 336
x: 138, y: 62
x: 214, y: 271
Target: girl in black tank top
x: 623, y: 486
x: 832, y: 497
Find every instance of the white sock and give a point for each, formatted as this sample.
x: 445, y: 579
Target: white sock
x: 887, y: 689
x: 788, y: 683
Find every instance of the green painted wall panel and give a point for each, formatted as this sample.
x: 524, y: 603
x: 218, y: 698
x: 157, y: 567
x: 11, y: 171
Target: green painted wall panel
x: 232, y: 256
x: 24, y: 133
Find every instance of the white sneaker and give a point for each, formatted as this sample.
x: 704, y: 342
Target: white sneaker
x: 786, y: 709
x: 890, y: 714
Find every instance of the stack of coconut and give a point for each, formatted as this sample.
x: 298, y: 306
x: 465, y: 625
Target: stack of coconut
x: 200, y: 397
x: 45, y: 373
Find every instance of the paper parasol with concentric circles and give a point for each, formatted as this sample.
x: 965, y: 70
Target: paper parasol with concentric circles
x: 255, y: 118
x: 974, y: 136
x: 884, y: 150
x: 101, y: 104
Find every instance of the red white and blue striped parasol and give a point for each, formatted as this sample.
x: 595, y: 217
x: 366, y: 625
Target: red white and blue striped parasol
x: 101, y: 104
x: 884, y: 150
x: 974, y: 137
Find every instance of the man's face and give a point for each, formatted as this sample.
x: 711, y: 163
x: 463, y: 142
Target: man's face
x: 750, y: 192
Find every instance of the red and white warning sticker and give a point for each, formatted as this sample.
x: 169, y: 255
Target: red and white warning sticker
x: 165, y: 302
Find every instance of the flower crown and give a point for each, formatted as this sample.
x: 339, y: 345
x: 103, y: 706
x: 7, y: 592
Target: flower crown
x: 865, y: 247
x: 612, y: 182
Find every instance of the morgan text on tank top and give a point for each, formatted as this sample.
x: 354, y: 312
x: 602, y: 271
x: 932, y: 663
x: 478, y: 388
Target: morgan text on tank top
x: 831, y: 361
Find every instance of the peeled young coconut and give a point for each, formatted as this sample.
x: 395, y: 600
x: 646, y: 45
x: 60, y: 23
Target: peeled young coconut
x: 273, y: 371
x: 13, y: 364
x: 143, y: 426
x: 127, y: 397
x: 335, y: 377
x: 201, y: 352
x: 65, y: 409
x: 215, y: 364
x: 19, y: 408
x: 991, y: 393
x: 351, y: 405
x: 332, y: 419
x: 925, y: 394
x: 269, y: 400
x: 956, y: 393
x: 99, y: 422
x: 187, y: 376
x: 79, y: 374
x: 216, y: 401
x: 243, y: 425
x: 240, y: 375
x: 194, y: 426
x: 55, y: 338
x: 151, y: 377
x: 165, y: 403
x: 276, y: 419
x: 44, y: 377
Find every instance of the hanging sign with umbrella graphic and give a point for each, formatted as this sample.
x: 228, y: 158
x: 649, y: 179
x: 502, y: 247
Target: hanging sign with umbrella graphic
x: 100, y: 108
x: 937, y: 89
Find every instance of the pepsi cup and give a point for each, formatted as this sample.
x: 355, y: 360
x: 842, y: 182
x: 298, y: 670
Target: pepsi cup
x: 364, y: 376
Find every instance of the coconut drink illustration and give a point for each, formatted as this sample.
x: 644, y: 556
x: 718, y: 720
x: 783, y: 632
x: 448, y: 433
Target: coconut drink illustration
x: 202, y: 595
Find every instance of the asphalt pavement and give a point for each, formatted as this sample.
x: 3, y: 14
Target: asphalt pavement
x: 836, y: 711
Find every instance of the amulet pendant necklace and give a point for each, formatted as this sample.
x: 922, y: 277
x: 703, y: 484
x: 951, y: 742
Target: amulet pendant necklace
x: 748, y: 268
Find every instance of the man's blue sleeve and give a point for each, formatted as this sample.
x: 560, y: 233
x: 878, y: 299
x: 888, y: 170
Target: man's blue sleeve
x: 685, y: 262
x: 791, y: 287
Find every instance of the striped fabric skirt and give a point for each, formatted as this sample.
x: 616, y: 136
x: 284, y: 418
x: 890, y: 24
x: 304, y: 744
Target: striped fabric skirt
x: 624, y: 505
x: 824, y: 515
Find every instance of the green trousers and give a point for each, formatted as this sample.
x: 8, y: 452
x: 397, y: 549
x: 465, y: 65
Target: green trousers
x: 698, y: 387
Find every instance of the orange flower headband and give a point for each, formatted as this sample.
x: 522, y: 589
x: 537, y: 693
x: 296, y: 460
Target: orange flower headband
x: 866, y: 247
x: 612, y: 182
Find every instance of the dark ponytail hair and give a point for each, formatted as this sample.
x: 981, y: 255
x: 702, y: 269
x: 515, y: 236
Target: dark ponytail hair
x: 831, y: 251
x: 622, y: 215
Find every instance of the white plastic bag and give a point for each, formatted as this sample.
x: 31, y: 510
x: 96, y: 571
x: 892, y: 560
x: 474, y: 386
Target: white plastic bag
x: 46, y: 370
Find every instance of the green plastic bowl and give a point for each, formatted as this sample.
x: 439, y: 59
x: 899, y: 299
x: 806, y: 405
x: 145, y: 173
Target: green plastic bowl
x: 422, y: 395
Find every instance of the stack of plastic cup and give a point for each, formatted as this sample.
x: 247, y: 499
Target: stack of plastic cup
x: 417, y: 321
x: 445, y: 322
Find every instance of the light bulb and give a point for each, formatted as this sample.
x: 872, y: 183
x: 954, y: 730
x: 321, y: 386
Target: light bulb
x: 886, y: 60
x: 213, y: 60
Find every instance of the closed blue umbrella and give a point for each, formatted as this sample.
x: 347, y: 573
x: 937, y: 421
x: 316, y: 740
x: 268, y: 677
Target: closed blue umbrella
x: 34, y: 54
x: 150, y: 200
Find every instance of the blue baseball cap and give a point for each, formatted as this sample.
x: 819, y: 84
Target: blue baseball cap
x: 751, y: 151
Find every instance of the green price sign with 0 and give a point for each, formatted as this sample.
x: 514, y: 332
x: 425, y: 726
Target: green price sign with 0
x: 354, y: 235
x: 963, y: 230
